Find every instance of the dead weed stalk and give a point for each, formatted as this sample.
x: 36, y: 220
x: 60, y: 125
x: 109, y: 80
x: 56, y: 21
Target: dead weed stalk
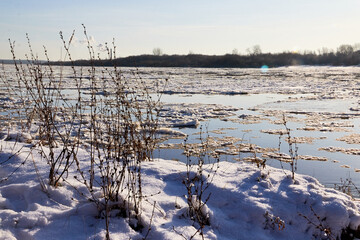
x: 197, y: 180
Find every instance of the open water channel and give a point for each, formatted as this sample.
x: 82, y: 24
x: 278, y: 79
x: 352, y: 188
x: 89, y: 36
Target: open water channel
x: 247, y: 106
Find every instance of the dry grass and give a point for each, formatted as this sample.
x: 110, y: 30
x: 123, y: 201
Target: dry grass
x: 117, y: 129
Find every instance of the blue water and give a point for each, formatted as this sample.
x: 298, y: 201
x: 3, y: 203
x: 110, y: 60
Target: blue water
x: 326, y: 172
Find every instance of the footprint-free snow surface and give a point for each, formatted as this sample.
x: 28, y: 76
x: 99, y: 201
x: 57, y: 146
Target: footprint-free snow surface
x: 246, y: 202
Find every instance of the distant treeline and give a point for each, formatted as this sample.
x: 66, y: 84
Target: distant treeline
x: 345, y: 55
x: 228, y: 60
x: 7, y: 61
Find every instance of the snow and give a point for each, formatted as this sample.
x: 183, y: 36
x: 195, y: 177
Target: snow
x: 246, y: 202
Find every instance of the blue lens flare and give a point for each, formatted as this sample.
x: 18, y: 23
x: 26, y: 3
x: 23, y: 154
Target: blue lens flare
x: 264, y: 68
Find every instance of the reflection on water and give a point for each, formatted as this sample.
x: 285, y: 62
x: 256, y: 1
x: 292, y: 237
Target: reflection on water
x: 240, y: 101
x: 323, y: 105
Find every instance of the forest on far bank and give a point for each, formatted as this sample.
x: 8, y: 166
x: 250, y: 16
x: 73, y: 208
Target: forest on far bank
x: 345, y: 55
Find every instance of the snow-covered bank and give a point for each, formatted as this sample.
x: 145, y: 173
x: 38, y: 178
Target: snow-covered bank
x: 246, y: 203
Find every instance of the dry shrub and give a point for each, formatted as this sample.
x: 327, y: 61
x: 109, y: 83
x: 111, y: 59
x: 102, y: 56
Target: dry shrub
x: 114, y: 120
x: 197, y: 182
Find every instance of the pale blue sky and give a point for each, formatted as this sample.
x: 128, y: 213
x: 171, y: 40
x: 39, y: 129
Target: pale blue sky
x: 177, y: 27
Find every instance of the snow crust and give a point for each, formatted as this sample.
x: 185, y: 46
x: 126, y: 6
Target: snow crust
x: 245, y: 203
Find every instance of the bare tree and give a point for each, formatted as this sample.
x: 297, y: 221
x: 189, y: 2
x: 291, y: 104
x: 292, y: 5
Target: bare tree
x: 345, y: 49
x: 157, y: 52
x: 324, y: 51
x: 356, y: 46
x: 256, y: 49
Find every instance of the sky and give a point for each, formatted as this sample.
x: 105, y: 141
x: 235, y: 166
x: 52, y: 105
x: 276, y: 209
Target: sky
x: 210, y: 27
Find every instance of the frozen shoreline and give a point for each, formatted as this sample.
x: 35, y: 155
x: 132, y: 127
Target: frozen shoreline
x: 246, y: 202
